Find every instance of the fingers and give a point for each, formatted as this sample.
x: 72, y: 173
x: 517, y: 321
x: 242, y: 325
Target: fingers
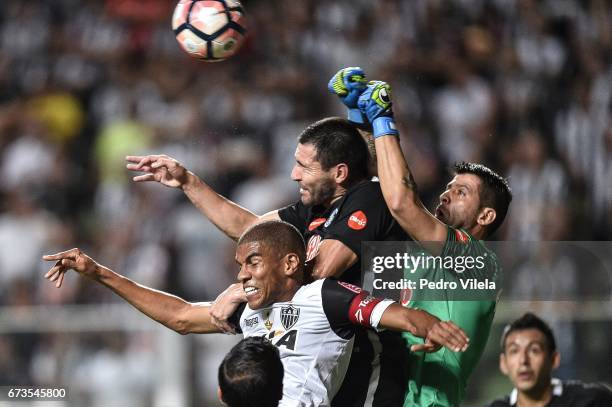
x: 72, y: 253
x: 450, y: 335
x: 143, y: 178
x: 164, y: 162
x: 136, y: 167
x: 60, y: 280
x: 57, y: 272
x: 428, y: 347
x: 458, y: 333
x: 140, y: 160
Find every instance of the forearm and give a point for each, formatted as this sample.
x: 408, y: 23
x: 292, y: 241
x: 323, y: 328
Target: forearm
x: 167, y: 309
x: 401, y: 196
x: 226, y: 215
x: 396, y: 180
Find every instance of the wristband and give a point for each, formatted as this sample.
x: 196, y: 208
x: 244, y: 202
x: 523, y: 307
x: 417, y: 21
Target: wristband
x: 355, y: 116
x: 384, y: 126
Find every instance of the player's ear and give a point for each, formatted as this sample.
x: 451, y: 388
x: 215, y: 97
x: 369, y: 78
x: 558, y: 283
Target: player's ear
x: 341, y: 173
x: 291, y: 263
x: 486, y: 216
x: 556, y: 359
x: 220, y: 395
x: 502, y: 364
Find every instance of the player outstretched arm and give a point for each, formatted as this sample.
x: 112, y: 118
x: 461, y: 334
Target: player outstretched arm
x: 424, y: 325
x: 229, y: 217
x: 396, y: 180
x: 173, y: 312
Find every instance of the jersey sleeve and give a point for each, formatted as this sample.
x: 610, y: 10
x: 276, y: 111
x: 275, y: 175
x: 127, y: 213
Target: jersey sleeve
x: 347, y: 306
x: 295, y: 214
x: 336, y: 297
x: 234, y: 319
x: 364, y: 217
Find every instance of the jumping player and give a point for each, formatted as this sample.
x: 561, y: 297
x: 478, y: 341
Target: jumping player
x: 471, y: 208
x: 339, y: 207
x: 312, y: 325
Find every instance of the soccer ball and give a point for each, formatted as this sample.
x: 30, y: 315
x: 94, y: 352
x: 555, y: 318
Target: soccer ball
x: 211, y: 30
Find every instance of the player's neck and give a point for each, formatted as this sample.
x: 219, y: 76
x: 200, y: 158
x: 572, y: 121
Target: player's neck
x: 535, y: 398
x: 477, y: 232
x: 289, y: 292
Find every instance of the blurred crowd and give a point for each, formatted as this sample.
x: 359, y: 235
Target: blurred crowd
x: 523, y: 86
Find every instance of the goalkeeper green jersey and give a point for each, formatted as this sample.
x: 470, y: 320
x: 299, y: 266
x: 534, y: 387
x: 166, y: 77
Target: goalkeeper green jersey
x: 440, y: 378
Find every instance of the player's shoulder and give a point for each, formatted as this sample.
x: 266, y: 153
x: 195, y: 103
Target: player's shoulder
x: 309, y: 291
x: 594, y: 392
x: 325, y: 285
x: 502, y: 402
x: 366, y: 187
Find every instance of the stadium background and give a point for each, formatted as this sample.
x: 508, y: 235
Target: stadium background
x: 521, y: 85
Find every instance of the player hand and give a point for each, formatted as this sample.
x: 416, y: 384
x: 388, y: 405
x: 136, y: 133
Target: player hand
x: 73, y: 259
x: 225, y: 305
x: 161, y: 168
x: 443, y: 333
x: 375, y: 104
x: 348, y: 84
x: 375, y: 101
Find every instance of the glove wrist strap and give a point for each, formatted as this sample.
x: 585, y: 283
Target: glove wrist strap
x: 384, y: 126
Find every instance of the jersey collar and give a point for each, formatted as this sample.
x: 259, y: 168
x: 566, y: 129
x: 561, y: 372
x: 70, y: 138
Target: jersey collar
x: 557, y: 386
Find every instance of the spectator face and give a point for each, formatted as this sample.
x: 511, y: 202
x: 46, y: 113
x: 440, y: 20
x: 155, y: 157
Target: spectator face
x: 460, y: 204
x: 527, y: 361
x: 261, y: 274
x: 317, y: 186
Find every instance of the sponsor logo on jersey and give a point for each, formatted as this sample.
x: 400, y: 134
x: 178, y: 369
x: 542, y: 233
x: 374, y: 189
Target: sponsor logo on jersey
x: 461, y: 236
x: 316, y: 223
x: 331, y: 218
x: 365, y: 301
x: 359, y: 316
x: 350, y: 287
x: 312, y: 249
x: 251, y: 321
x: 357, y: 220
x: 267, y: 320
x: 289, y: 316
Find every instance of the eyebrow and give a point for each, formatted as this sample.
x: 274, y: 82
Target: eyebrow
x: 466, y: 186
x: 530, y: 343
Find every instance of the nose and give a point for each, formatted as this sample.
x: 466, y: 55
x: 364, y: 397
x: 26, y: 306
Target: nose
x: 296, y: 173
x: 243, y: 275
x: 445, y: 197
x: 524, y: 357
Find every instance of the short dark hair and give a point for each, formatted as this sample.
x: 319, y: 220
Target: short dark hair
x: 495, y: 192
x: 252, y: 370
x: 279, y: 236
x: 337, y: 141
x: 530, y: 321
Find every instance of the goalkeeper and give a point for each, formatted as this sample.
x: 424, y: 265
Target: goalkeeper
x: 473, y: 205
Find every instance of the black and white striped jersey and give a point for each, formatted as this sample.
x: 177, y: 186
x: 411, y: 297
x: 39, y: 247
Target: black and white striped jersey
x: 314, y: 333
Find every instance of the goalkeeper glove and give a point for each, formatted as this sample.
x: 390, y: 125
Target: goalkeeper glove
x: 348, y: 84
x: 375, y: 104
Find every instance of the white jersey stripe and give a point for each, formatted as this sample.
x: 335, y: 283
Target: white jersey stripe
x: 375, y: 376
